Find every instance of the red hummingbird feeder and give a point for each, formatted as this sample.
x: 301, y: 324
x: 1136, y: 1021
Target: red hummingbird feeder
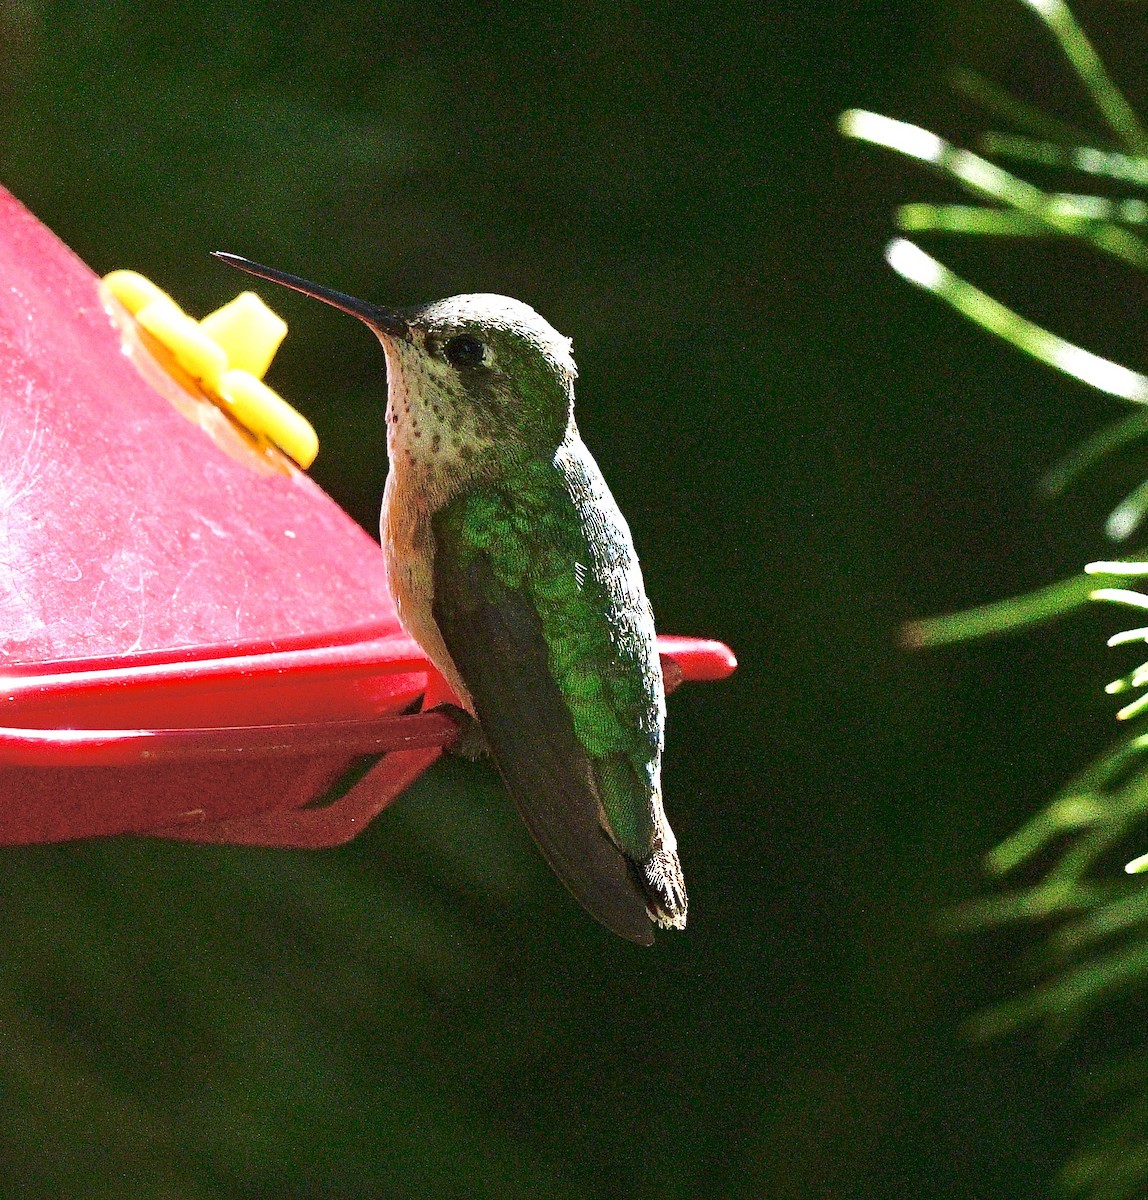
x: 196, y: 642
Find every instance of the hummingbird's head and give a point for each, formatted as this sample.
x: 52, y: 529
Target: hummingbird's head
x: 486, y: 368
x: 476, y: 381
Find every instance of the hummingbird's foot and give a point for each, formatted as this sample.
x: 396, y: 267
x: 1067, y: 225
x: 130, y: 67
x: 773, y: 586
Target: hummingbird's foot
x: 471, y: 741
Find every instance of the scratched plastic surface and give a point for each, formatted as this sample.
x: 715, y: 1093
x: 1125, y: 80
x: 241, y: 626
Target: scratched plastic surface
x: 195, y: 641
x: 125, y: 529
x: 182, y: 612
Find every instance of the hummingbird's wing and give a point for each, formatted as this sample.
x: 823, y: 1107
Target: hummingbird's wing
x: 494, y: 635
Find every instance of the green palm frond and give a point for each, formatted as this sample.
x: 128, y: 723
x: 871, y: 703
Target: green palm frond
x: 1075, y: 867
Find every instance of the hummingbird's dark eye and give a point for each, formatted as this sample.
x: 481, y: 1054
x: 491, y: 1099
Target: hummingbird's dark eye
x: 464, y: 351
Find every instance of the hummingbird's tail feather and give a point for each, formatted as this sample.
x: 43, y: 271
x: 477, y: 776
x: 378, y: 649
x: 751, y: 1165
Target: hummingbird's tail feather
x: 661, y: 879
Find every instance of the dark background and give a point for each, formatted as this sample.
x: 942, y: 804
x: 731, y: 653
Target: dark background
x: 809, y: 453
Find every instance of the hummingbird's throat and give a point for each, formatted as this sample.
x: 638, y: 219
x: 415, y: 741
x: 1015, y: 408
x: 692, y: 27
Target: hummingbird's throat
x: 432, y: 426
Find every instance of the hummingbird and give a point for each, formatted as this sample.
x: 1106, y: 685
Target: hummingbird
x: 515, y: 572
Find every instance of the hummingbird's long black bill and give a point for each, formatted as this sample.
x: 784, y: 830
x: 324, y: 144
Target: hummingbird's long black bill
x: 385, y: 320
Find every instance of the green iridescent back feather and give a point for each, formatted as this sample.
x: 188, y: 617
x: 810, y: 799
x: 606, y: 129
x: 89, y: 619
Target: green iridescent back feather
x: 551, y: 532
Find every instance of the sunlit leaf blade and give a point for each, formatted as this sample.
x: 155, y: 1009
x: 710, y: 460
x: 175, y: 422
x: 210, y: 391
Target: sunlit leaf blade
x: 1083, y: 213
x: 984, y: 178
x: 1079, y: 51
x: 1094, y: 448
x: 1001, y: 616
x: 1012, y: 110
x: 967, y: 219
x: 1128, y: 515
x: 913, y: 264
x: 1111, y: 164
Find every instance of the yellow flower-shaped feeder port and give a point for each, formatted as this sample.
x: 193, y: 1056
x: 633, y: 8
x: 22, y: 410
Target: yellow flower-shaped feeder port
x: 227, y: 354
